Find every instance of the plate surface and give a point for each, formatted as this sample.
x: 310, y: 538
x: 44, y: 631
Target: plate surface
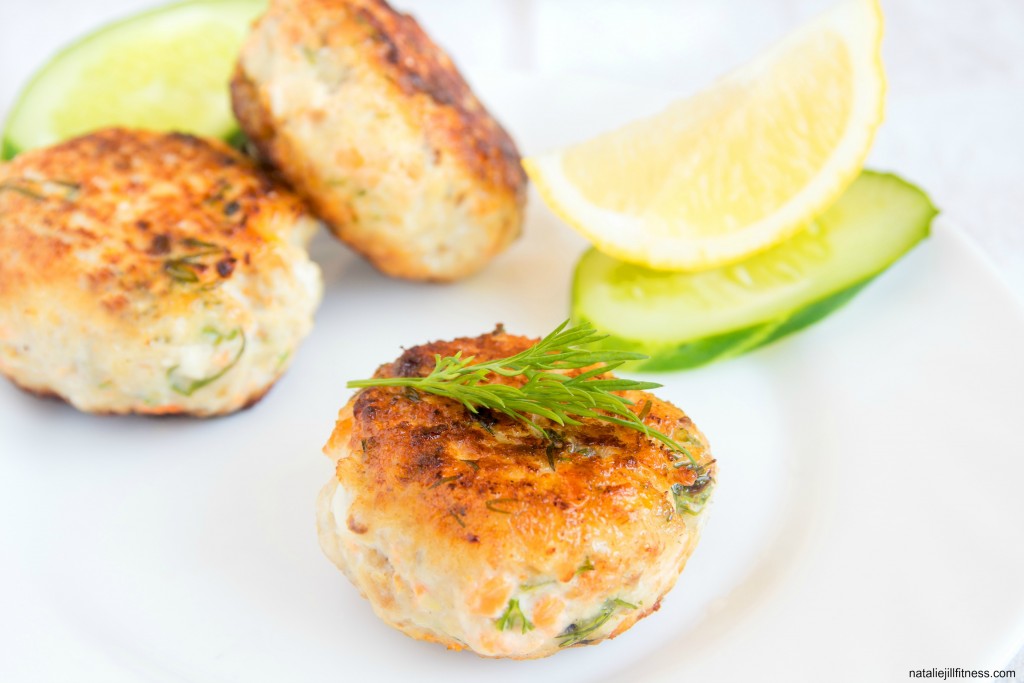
x: 870, y: 472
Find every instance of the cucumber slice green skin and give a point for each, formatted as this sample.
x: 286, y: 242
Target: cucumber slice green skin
x: 11, y: 145
x: 722, y: 346
x: 760, y: 330
x: 7, y: 150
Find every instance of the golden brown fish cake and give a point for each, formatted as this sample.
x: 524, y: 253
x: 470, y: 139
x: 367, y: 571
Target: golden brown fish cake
x: 372, y: 123
x: 150, y: 273
x: 476, y: 532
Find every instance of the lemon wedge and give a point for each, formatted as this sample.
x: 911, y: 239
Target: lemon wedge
x: 735, y: 168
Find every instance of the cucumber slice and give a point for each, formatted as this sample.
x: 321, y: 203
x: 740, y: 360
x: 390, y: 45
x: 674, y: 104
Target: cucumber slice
x: 683, y: 320
x: 166, y: 69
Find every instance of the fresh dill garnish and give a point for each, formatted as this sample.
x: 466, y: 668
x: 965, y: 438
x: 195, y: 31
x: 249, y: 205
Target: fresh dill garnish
x: 587, y: 566
x: 513, y: 615
x: 547, y: 392
x: 581, y: 631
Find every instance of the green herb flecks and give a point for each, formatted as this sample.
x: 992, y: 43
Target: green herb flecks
x: 180, y: 270
x: 24, y: 191
x: 548, y: 392
x: 42, y: 189
x: 550, y: 450
x: 512, y: 616
x: 444, y: 480
x: 687, y: 463
x: 193, y: 243
x: 485, y: 421
x: 690, y: 500
x: 499, y: 505
x: 581, y: 631
x: 587, y: 566
x: 187, y: 387
x: 527, y: 587
x: 557, y: 446
x: 184, y: 268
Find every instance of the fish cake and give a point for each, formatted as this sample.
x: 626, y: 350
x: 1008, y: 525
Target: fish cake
x: 477, y: 532
x: 150, y: 273
x: 372, y: 123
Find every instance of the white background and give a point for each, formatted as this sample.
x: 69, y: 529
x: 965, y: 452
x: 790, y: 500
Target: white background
x: 955, y: 68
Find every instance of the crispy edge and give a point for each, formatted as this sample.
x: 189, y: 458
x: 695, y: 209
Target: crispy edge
x: 456, y: 118
x: 50, y: 395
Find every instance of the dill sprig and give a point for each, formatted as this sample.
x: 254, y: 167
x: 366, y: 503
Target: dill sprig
x: 548, y: 392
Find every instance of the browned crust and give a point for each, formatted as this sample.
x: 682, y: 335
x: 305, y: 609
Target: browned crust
x: 484, y: 484
x: 251, y: 112
x: 44, y: 394
x: 140, y: 201
x: 439, y: 99
x: 457, y: 121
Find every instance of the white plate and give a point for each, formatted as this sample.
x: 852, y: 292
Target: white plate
x: 870, y: 483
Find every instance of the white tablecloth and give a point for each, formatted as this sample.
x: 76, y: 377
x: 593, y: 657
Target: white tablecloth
x: 955, y: 68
